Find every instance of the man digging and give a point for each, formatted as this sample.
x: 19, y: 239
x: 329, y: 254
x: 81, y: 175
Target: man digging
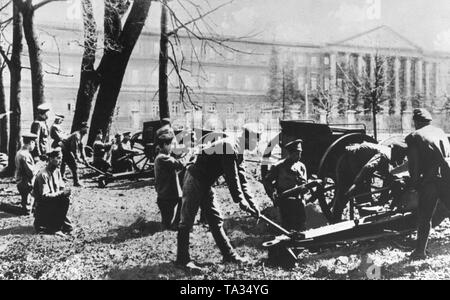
x: 222, y: 158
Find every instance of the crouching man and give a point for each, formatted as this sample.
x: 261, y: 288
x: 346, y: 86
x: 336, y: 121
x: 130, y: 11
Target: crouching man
x: 286, y: 175
x: 52, y: 199
x: 222, y: 158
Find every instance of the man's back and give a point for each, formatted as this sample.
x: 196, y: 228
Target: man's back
x: 433, y: 148
x: 24, y: 164
x: 209, y: 165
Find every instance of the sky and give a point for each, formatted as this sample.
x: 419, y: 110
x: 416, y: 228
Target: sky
x: 424, y: 22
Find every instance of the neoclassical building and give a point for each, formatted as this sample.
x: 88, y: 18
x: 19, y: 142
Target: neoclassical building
x: 231, y: 86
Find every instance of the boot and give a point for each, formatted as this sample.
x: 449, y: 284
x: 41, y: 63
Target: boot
x: 183, y: 259
x: 225, y: 247
x: 183, y: 247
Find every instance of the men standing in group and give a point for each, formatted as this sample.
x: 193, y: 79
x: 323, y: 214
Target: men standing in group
x: 40, y: 128
x: 25, y: 169
x: 429, y: 168
x: 52, y: 199
x: 73, y: 153
x: 56, y: 132
x: 286, y: 175
x: 222, y: 158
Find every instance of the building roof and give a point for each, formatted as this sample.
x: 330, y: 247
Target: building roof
x: 382, y: 37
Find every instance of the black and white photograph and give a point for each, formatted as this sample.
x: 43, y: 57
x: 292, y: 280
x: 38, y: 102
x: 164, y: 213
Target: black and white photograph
x: 224, y: 144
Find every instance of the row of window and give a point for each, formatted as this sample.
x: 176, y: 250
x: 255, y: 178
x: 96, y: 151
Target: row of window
x: 211, y: 107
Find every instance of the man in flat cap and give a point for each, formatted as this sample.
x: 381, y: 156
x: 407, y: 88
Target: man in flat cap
x: 40, y: 128
x: 221, y: 158
x: 25, y: 169
x: 285, y: 175
x: 126, y: 141
x: 56, y: 131
x: 100, y: 150
x: 52, y: 199
x: 429, y: 168
x: 73, y: 153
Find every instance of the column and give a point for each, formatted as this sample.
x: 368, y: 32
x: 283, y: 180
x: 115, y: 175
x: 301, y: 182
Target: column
x: 373, y: 66
x: 360, y: 65
x: 397, y: 105
x: 419, y: 76
x: 427, y: 79
x: 408, y: 93
x: 385, y: 73
x: 437, y: 83
x: 333, y: 79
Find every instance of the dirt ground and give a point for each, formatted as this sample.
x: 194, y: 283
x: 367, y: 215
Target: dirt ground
x: 118, y: 236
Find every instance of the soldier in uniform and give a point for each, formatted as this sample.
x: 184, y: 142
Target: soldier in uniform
x: 40, y: 128
x: 73, y: 153
x: 56, y: 132
x: 287, y: 174
x: 25, y: 169
x: 100, y: 150
x: 167, y: 182
x: 52, y: 199
x: 429, y: 159
x: 120, y: 160
x: 126, y: 141
x: 222, y: 158
x: 356, y: 164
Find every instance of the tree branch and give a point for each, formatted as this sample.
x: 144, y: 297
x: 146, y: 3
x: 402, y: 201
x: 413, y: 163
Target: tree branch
x: 45, y: 2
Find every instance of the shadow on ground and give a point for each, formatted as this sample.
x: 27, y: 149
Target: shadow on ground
x: 140, y: 228
x: 19, y: 230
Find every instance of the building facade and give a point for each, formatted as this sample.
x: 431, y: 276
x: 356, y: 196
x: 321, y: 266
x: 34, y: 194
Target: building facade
x: 230, y: 87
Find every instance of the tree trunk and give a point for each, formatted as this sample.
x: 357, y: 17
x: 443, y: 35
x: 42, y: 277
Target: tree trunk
x: 89, y: 80
x: 3, y: 121
x: 34, y: 52
x: 112, y: 68
x: 15, y: 90
x: 163, y: 62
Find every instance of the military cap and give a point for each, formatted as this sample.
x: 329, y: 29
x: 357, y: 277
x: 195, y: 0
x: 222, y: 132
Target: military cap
x: 45, y: 107
x: 84, y: 125
x: 54, y: 152
x: 166, y: 129
x: 29, y: 136
x: 422, y: 115
x: 294, y: 146
x: 117, y: 135
x: 127, y: 133
x: 58, y: 116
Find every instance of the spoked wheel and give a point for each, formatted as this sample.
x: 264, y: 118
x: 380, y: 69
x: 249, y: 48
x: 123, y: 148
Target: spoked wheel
x: 324, y: 195
x: 145, y: 154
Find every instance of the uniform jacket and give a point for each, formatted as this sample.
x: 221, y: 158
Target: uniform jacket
x: 428, y: 154
x: 25, y: 167
x: 222, y: 158
x: 40, y: 128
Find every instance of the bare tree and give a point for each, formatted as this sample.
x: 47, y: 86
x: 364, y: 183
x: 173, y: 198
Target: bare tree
x: 89, y: 78
x: 27, y: 9
x: 115, y: 59
x: 15, y: 67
